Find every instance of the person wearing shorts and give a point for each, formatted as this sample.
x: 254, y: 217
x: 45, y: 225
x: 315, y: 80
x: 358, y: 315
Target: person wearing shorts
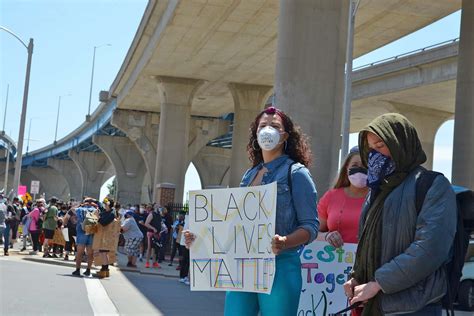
x: 133, y: 238
x: 49, y: 225
x: 84, y: 241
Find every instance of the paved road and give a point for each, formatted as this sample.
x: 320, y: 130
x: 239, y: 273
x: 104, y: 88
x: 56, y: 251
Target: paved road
x: 30, y: 288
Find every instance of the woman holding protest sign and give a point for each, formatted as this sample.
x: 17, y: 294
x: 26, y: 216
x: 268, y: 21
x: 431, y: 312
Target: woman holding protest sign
x: 279, y: 152
x: 339, y: 209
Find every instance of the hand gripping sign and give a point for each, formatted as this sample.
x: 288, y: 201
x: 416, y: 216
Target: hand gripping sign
x: 324, y: 270
x: 233, y: 228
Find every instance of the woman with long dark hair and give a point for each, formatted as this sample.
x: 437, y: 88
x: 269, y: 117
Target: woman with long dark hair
x: 279, y: 151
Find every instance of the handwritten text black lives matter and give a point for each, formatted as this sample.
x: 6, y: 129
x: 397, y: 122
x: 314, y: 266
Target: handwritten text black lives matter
x: 236, y: 227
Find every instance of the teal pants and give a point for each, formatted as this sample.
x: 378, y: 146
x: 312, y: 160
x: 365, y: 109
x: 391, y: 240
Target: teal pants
x: 284, y: 298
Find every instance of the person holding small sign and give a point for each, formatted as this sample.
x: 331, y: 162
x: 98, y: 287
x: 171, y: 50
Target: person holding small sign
x: 339, y: 209
x: 279, y: 151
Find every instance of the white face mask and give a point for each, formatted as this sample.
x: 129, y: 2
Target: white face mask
x: 268, y: 138
x: 359, y: 180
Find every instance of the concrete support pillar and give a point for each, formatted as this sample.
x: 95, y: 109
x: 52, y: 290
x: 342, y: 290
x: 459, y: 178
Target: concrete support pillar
x: 249, y: 101
x: 176, y: 95
x: 202, y: 131
x: 213, y: 165
x: 142, y: 129
x: 93, y: 168
x: 52, y: 183
x: 309, y: 76
x: 69, y: 170
x: 463, y: 147
x: 427, y: 122
x: 128, y: 164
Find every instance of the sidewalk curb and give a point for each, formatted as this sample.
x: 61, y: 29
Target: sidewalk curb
x: 72, y: 264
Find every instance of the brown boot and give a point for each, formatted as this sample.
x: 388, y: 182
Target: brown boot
x: 107, y: 273
x: 101, y: 274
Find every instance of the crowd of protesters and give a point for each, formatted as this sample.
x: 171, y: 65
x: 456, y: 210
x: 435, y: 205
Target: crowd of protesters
x: 93, y: 232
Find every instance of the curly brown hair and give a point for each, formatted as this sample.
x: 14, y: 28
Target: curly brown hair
x: 296, y: 147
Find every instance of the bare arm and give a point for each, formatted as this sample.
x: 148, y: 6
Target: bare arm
x: 148, y: 221
x: 296, y: 238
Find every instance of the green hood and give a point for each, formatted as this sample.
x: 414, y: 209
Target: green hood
x: 401, y: 138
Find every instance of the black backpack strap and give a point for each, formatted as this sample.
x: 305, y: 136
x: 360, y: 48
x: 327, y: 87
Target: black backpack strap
x: 423, y: 184
x: 290, y: 182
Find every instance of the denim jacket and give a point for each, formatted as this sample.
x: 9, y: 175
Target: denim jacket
x: 293, y: 210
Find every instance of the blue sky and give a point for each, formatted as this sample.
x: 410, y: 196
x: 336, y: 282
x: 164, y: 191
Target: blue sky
x: 65, y: 33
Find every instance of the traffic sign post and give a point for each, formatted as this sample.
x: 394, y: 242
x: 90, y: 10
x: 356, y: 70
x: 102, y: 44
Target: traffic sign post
x: 34, y: 188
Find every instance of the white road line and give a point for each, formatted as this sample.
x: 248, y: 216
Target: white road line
x: 100, y: 302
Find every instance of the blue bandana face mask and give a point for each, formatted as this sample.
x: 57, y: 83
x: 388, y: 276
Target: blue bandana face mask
x: 379, y: 166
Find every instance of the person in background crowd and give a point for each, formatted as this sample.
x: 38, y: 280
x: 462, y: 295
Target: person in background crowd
x: 50, y: 223
x: 177, y: 232
x: 58, y: 248
x: 154, y: 224
x: 34, y: 228
x: 120, y: 211
x: 339, y: 209
x: 70, y: 222
x: 401, y: 254
x: 167, y: 220
x: 62, y: 210
x: 133, y: 237
x: 12, y: 221
x: 275, y: 144
x: 184, y: 257
x: 25, y: 221
x: 141, y: 219
x: 106, y: 237
x: 84, y: 241
x: 3, y: 215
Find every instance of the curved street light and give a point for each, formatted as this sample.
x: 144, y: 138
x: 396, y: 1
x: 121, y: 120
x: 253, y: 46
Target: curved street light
x: 19, y: 153
x: 57, y: 117
x: 88, y: 116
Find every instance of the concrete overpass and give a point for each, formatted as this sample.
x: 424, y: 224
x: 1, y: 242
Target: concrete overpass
x: 197, y: 59
x: 379, y: 88
x: 215, y: 57
x: 114, y: 144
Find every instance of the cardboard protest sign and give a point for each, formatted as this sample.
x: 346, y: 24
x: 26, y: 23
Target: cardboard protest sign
x: 233, y: 228
x: 324, y: 270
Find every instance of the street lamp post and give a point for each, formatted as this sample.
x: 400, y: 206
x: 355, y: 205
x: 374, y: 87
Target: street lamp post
x: 346, y: 108
x: 57, y: 116
x: 7, y: 155
x: 29, y: 135
x: 88, y: 116
x: 7, y: 167
x: 5, y: 114
x: 19, y: 152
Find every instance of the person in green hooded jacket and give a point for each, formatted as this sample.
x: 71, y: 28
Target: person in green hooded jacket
x: 400, y: 258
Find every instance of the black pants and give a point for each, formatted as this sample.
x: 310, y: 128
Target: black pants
x: 174, y: 249
x: 35, y: 240
x: 14, y: 228
x: 184, y: 262
x: 69, y: 244
x: 161, y: 254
